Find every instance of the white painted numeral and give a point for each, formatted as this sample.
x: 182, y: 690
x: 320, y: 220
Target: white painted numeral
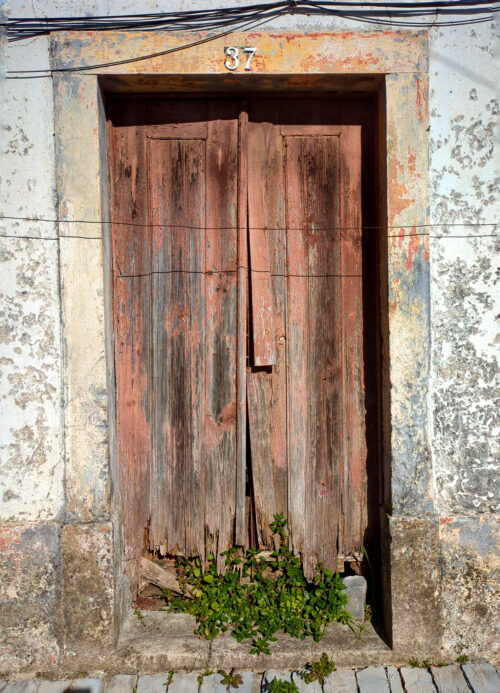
x: 232, y: 54
x: 251, y: 52
x: 233, y: 57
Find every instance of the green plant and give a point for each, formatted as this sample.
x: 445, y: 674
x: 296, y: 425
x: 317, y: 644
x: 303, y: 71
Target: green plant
x: 279, y: 686
x: 256, y: 598
x: 231, y: 680
x: 201, y: 676
x: 318, y: 671
x: 462, y: 659
x: 416, y: 664
x: 170, y: 677
x: 139, y: 614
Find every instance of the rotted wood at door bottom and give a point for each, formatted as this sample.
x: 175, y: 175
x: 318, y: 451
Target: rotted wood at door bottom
x: 238, y: 312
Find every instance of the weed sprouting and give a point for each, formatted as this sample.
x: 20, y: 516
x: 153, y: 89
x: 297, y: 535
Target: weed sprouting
x: 231, y: 680
x: 318, y: 671
x: 279, y: 686
x: 256, y: 598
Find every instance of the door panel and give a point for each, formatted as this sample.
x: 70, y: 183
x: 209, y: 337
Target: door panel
x: 177, y: 181
x: 132, y: 329
x: 221, y: 259
x: 267, y: 386
x: 238, y: 303
x: 315, y: 340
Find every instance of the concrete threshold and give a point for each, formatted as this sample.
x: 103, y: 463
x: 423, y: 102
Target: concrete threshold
x: 162, y: 641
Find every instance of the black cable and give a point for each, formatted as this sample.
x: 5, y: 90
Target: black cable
x: 80, y: 68
x: 210, y: 19
x: 225, y: 228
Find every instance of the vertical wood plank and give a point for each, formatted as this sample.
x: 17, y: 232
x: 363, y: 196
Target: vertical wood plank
x: 267, y: 386
x: 221, y: 327
x: 262, y: 327
x: 354, y: 513
x: 177, y: 211
x: 320, y: 158
x: 313, y: 200
x: 297, y: 344
x: 259, y: 416
x: 242, y: 262
x: 130, y: 244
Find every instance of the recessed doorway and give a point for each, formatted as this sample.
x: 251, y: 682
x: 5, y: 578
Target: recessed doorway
x: 246, y: 324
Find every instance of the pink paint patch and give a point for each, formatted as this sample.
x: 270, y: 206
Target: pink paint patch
x: 412, y: 248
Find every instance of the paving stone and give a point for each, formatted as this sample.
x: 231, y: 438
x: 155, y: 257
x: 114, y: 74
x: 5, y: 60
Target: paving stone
x: 152, y: 684
x: 250, y: 684
x: 21, y: 687
x: 271, y: 674
x: 450, y: 679
x: 87, y: 686
x: 341, y: 681
x: 54, y: 686
x: 121, y: 684
x: 417, y: 680
x: 184, y: 683
x: 372, y: 680
x: 394, y: 679
x: 304, y: 687
x: 211, y: 684
x: 482, y: 677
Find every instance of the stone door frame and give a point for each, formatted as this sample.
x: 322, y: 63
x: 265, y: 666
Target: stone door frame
x: 395, y: 65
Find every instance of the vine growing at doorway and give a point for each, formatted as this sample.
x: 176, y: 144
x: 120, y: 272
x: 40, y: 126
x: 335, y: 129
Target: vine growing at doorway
x: 256, y: 598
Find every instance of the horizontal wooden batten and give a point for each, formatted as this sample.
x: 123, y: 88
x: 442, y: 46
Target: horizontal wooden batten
x: 178, y: 131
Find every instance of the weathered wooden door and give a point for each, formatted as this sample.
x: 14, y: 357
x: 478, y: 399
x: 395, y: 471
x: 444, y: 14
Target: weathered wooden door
x: 238, y: 317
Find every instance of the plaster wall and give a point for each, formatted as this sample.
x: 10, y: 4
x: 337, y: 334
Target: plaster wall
x: 53, y: 508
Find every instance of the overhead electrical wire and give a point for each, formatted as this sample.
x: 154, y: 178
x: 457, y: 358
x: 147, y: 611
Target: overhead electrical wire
x: 149, y: 225
x: 398, y: 13
x: 253, y: 24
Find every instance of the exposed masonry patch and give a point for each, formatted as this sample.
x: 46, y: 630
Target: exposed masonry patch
x: 29, y: 596
x: 470, y: 566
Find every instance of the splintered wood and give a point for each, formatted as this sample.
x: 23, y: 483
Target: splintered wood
x: 238, y: 316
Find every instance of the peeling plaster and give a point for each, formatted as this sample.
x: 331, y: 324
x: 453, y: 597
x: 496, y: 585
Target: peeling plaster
x: 30, y: 437
x: 465, y: 278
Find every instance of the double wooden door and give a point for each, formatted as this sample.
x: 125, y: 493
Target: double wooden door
x: 237, y: 294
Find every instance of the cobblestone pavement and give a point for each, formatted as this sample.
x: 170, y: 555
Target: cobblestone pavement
x: 468, y: 678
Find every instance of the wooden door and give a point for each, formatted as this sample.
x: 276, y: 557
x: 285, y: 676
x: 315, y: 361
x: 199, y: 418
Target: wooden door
x: 306, y: 408
x: 238, y: 313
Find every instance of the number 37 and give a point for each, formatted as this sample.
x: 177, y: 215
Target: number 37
x: 233, y: 57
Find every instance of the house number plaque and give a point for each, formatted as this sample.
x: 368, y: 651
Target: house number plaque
x: 232, y: 54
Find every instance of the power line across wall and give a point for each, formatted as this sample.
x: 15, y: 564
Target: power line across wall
x: 133, y: 225
x: 213, y: 18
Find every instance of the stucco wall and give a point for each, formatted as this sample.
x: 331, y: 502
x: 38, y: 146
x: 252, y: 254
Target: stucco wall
x: 463, y: 395
x: 465, y: 295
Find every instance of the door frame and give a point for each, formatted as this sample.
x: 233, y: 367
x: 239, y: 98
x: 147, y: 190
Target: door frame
x: 394, y: 65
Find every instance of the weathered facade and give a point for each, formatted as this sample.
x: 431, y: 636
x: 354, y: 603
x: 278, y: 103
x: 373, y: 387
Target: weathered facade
x: 63, y: 595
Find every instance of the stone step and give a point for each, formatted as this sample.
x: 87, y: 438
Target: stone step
x: 469, y: 678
